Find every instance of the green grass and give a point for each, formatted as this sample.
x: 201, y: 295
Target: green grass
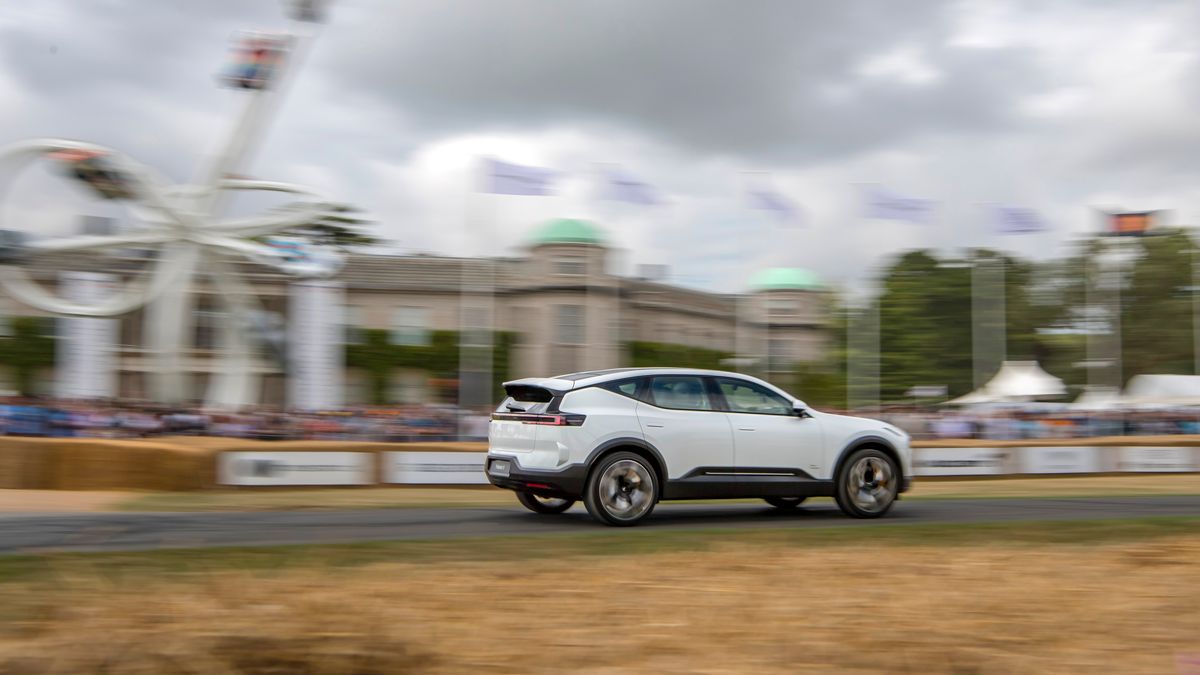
x: 645, y: 541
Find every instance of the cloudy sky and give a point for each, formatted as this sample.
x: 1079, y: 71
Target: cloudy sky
x: 1061, y: 106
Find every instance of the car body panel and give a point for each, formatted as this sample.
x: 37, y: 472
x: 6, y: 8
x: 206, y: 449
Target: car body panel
x: 703, y: 453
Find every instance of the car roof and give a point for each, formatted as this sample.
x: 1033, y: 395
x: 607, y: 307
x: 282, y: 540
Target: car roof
x: 589, y: 377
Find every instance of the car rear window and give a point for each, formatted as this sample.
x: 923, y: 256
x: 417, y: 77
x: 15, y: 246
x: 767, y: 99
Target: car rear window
x: 528, y: 394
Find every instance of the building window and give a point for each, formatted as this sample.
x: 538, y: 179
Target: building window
x: 781, y: 307
x: 570, y: 266
x: 780, y: 353
x: 570, y: 324
x: 352, y: 325
x: 476, y: 328
x: 410, y: 327
x: 208, y: 320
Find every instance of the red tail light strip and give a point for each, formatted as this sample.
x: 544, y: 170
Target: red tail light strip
x: 557, y: 420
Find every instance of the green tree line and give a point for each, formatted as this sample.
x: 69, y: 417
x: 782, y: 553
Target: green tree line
x: 1140, y: 301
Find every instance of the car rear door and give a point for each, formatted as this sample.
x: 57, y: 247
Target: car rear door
x: 678, y: 417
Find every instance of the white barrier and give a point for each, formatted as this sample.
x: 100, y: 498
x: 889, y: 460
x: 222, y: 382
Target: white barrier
x: 423, y: 467
x: 1060, y: 459
x: 295, y: 468
x: 960, y: 461
x: 1157, y: 459
x: 433, y: 468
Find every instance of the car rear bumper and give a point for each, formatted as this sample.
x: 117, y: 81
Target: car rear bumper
x: 567, y: 482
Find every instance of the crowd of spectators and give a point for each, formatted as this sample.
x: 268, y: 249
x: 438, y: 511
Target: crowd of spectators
x: 441, y: 422
x: 1016, y: 423
x: 112, y: 419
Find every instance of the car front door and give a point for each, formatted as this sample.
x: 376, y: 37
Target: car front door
x: 768, y: 436
x: 678, y: 416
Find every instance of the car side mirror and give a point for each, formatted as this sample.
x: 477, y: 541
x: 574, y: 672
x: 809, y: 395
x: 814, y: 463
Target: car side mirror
x: 800, y: 408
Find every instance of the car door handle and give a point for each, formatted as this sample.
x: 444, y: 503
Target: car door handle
x: 745, y: 428
x: 656, y: 426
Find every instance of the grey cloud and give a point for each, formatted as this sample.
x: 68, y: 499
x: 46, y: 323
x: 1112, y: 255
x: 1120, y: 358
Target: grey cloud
x: 741, y: 78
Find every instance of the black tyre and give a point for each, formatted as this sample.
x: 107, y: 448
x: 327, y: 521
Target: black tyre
x: 544, y: 504
x: 621, y: 489
x: 867, y: 484
x: 785, y: 503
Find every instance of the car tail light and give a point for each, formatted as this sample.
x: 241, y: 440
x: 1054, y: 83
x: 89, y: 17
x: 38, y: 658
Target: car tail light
x: 550, y: 420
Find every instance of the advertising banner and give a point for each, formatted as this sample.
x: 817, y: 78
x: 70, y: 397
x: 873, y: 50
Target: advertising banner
x: 86, y: 360
x: 959, y: 461
x: 1060, y: 460
x: 434, y: 468
x: 1144, y: 458
x: 315, y: 346
x: 295, y: 468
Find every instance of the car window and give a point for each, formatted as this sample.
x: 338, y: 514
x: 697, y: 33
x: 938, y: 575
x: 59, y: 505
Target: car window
x: 625, y: 387
x: 748, y: 397
x: 681, y: 392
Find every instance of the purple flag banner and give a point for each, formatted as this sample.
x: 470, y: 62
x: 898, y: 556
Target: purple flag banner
x: 1017, y: 220
x: 622, y: 187
x: 504, y: 178
x: 880, y: 203
x: 766, y: 199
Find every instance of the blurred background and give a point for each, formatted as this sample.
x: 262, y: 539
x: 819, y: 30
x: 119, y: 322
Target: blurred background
x: 971, y: 218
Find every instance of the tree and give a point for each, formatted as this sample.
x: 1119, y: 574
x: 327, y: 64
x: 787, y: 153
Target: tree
x: 29, y: 348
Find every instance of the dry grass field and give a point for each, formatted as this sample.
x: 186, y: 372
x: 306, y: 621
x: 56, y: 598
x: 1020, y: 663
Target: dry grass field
x: 1121, y: 597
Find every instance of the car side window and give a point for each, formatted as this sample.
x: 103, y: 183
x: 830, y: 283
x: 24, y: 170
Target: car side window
x: 679, y: 392
x: 624, y: 387
x: 748, y: 397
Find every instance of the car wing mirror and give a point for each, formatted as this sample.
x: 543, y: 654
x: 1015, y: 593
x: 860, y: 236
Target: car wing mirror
x: 800, y: 408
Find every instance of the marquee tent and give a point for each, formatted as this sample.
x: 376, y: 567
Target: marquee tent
x: 1015, y: 382
x: 1162, y: 391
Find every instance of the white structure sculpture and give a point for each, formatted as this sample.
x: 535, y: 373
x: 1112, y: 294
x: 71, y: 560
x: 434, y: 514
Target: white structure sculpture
x: 183, y: 224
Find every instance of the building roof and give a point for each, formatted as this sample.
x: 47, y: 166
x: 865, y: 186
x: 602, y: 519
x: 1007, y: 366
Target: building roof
x: 567, y: 231
x: 786, y: 279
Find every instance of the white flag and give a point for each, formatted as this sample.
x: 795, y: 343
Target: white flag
x: 880, y: 203
x: 766, y: 199
x: 622, y: 187
x: 514, y: 179
x: 1017, y: 220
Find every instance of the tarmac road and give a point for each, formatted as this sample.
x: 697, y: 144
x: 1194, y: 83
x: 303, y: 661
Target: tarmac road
x: 28, y: 533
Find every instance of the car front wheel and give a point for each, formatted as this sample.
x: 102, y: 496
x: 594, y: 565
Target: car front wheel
x: 868, y: 484
x: 544, y: 504
x: 621, y: 490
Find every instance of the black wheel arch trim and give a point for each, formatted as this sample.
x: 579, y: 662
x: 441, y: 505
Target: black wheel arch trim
x: 624, y: 441
x: 868, y: 439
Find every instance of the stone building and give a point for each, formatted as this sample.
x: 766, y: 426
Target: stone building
x: 564, y: 308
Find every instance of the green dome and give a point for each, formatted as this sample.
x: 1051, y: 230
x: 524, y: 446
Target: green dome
x: 567, y: 231
x: 786, y: 279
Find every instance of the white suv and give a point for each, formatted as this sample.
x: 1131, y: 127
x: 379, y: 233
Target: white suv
x: 623, y: 439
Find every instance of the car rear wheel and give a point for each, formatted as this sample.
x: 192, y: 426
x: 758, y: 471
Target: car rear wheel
x: 868, y: 484
x: 544, y: 504
x: 621, y: 490
x: 786, y: 503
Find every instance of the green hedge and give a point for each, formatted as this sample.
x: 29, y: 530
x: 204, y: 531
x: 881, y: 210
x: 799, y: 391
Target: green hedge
x: 379, y: 358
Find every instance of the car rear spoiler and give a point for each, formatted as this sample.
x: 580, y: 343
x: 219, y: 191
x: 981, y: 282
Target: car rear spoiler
x: 557, y: 387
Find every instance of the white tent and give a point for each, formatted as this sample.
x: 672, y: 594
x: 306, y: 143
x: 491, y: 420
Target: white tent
x: 1098, y: 398
x: 1015, y: 382
x: 1162, y: 391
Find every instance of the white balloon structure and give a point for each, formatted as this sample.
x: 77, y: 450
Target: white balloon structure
x: 182, y: 223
